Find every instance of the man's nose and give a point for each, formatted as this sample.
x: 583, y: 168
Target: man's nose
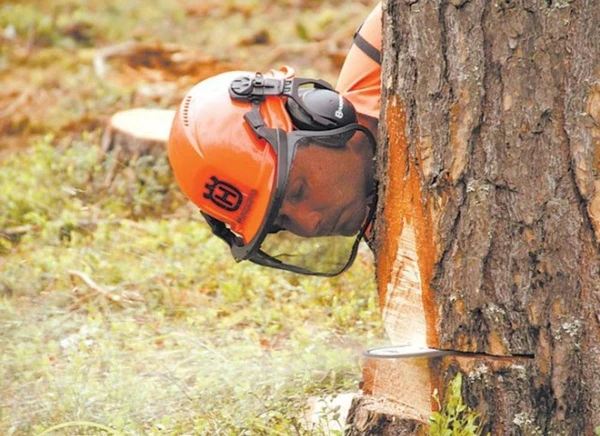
x: 304, y: 223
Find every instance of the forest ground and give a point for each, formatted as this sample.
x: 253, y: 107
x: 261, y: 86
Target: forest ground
x: 119, y: 312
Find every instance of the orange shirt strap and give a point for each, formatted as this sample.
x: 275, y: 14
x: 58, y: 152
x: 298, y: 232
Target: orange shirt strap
x: 360, y: 76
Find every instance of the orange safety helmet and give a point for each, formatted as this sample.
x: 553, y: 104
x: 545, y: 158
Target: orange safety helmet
x: 219, y: 162
x: 232, y: 146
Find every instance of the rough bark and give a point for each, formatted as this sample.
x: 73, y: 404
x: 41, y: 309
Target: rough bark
x: 491, y: 159
x: 377, y: 416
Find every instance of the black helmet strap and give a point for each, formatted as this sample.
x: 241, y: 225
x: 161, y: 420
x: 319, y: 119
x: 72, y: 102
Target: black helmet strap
x: 256, y: 88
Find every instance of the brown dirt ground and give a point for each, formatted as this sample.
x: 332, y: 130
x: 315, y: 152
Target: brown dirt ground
x: 74, y: 79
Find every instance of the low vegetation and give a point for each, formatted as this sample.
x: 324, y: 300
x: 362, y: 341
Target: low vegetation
x: 116, y: 315
x: 454, y: 417
x: 119, y: 312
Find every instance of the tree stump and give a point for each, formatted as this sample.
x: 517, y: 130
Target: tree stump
x: 137, y: 132
x: 135, y: 162
x: 487, y: 233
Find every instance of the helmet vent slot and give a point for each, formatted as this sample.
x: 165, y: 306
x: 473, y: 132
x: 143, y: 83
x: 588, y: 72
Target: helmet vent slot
x: 186, y: 110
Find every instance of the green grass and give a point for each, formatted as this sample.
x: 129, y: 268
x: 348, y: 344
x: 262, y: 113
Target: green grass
x: 119, y: 312
x: 116, y: 315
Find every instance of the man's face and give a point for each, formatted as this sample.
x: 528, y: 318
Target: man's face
x: 327, y: 191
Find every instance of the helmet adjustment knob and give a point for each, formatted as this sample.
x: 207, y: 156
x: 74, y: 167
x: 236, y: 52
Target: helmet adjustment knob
x: 241, y: 88
x: 251, y: 88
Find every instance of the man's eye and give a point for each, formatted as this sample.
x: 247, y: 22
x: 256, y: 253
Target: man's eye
x: 298, y: 192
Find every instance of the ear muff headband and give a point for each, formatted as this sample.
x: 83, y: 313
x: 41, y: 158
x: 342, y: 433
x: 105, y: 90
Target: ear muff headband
x: 317, y: 108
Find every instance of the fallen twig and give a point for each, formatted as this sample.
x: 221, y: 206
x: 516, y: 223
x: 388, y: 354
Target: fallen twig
x: 5, y: 113
x: 94, y: 286
x: 122, y: 298
x: 100, y: 60
x: 11, y: 232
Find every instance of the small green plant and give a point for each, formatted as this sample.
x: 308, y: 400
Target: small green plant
x: 597, y: 431
x: 454, y: 418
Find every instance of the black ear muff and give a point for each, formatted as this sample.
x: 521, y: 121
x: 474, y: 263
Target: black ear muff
x: 321, y: 109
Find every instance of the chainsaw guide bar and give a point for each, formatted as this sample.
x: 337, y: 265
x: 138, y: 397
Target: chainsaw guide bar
x: 404, y: 351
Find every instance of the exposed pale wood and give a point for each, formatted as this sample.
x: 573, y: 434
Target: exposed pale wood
x: 398, y: 394
x: 490, y: 168
x: 403, y: 311
x: 138, y: 131
x: 387, y: 378
x: 407, y: 251
x: 379, y: 416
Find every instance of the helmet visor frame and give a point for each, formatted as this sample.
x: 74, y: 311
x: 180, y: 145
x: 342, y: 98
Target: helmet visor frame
x: 255, y: 90
x: 285, y: 145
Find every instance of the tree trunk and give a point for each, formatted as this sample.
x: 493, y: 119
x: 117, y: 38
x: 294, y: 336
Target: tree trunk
x: 489, y: 226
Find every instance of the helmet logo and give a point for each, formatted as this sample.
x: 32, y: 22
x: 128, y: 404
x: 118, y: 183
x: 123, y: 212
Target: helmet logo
x: 339, y: 113
x: 223, y: 194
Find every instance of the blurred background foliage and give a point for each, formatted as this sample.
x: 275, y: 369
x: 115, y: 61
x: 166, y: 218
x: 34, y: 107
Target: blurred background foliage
x: 119, y: 312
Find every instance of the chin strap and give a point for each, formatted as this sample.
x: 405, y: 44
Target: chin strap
x: 263, y: 259
x: 370, y: 221
x: 221, y: 230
